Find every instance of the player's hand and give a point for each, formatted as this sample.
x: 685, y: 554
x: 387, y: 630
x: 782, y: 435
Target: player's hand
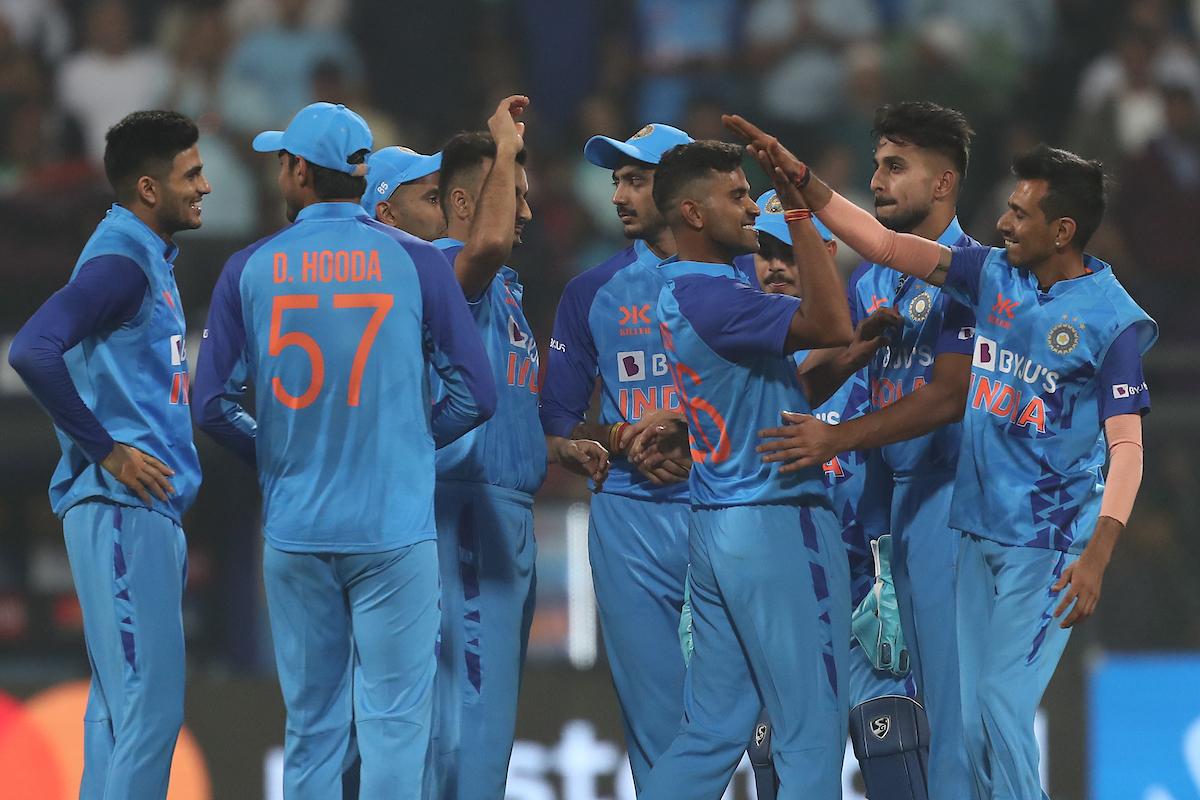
x: 657, y: 445
x: 781, y: 166
x: 803, y: 441
x: 142, y: 473
x: 872, y: 334
x: 584, y: 457
x: 506, y: 126
x: 1083, y: 579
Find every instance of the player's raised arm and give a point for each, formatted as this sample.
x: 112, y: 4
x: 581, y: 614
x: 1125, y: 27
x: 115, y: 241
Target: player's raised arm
x: 455, y: 350
x: 490, y: 239
x: 221, y: 367
x: 857, y: 228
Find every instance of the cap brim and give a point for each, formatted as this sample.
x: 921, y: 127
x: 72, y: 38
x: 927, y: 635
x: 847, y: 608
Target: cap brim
x: 268, y: 142
x: 609, y: 153
x: 773, y: 226
x: 427, y: 165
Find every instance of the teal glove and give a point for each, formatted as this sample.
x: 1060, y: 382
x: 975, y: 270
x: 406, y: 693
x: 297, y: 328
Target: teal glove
x: 685, y: 620
x: 876, y: 621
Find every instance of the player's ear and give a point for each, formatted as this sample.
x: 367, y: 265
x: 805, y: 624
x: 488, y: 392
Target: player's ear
x: 691, y: 214
x: 1063, y: 230
x: 303, y: 173
x: 383, y: 213
x: 146, y: 189
x: 946, y: 185
x: 831, y: 245
x: 461, y: 203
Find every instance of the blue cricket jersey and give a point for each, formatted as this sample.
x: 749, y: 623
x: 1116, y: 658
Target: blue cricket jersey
x: 725, y: 343
x: 933, y: 324
x: 845, y: 478
x: 336, y: 319
x: 134, y: 378
x: 1048, y: 369
x: 607, y: 328
x: 510, y: 450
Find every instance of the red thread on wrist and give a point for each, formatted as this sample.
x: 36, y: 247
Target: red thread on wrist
x: 805, y: 176
x: 796, y: 214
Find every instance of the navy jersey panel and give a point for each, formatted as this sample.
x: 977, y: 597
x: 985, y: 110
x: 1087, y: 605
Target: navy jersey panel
x: 1033, y: 426
x: 606, y: 329
x: 134, y: 378
x: 337, y: 340
x: 509, y: 450
x: 725, y: 343
x: 934, y: 323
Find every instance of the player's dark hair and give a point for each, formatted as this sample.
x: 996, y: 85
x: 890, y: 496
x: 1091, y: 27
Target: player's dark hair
x: 145, y: 143
x: 928, y: 126
x: 684, y: 163
x: 464, y: 152
x: 332, y: 184
x: 1074, y: 187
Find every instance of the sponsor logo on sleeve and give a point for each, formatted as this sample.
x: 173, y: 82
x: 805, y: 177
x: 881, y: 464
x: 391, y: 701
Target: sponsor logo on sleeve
x: 966, y: 333
x: 1120, y: 391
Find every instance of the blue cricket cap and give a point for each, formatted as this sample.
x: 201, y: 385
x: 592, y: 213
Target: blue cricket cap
x: 389, y: 167
x: 647, y: 146
x: 770, y: 221
x: 328, y: 135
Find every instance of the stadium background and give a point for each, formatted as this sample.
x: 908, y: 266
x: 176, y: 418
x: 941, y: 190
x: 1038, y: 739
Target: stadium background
x: 1117, y: 80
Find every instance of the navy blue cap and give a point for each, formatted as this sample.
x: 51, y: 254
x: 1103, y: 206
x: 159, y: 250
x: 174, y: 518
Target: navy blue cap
x: 771, y: 221
x: 328, y: 135
x: 647, y: 146
x: 390, y: 167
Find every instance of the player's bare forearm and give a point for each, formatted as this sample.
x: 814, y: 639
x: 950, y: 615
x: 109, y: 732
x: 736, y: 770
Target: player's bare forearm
x: 490, y: 239
x: 592, y: 430
x: 939, y: 402
x: 824, y: 371
x: 1081, y: 582
x: 823, y: 319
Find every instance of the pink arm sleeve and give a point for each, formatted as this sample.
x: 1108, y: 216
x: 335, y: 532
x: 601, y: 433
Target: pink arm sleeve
x: 864, y: 235
x: 1124, y: 434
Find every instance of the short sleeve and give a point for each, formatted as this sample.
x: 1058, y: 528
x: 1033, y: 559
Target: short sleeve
x: 964, y: 276
x: 958, y: 330
x: 1123, y: 388
x: 734, y: 319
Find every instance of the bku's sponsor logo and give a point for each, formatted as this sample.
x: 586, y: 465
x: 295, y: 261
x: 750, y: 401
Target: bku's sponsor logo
x: 985, y: 353
x: 631, y: 365
x: 1122, y: 390
x: 179, y: 350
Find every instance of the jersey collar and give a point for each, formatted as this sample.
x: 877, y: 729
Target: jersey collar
x: 319, y: 211
x: 1096, y: 269
x: 952, y: 235
x: 125, y: 219
x: 643, y: 253
x: 674, y: 268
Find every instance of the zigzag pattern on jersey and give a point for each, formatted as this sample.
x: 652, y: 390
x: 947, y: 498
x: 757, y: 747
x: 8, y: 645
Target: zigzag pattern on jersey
x: 1053, y: 510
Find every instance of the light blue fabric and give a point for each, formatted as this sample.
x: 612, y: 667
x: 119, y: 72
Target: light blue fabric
x: 354, y: 639
x: 768, y: 632
x: 639, y: 555
x: 487, y: 556
x: 129, y: 566
x: 924, y: 558
x: 1009, y: 645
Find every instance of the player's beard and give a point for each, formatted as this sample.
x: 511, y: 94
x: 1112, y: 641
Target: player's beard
x: 903, y: 221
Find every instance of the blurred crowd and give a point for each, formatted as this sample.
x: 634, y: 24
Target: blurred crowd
x: 1117, y: 80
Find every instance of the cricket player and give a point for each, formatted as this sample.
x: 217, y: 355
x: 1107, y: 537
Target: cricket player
x: 105, y: 357
x: 769, y: 578
x: 845, y: 473
x: 1057, y: 390
x: 337, y: 319
x: 486, y: 481
x: 606, y: 330
x: 918, y: 389
x: 402, y: 191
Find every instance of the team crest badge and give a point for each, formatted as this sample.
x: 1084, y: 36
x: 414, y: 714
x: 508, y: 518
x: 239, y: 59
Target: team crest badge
x: 774, y: 206
x: 880, y: 726
x: 643, y: 133
x: 920, y: 307
x: 1063, y: 338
